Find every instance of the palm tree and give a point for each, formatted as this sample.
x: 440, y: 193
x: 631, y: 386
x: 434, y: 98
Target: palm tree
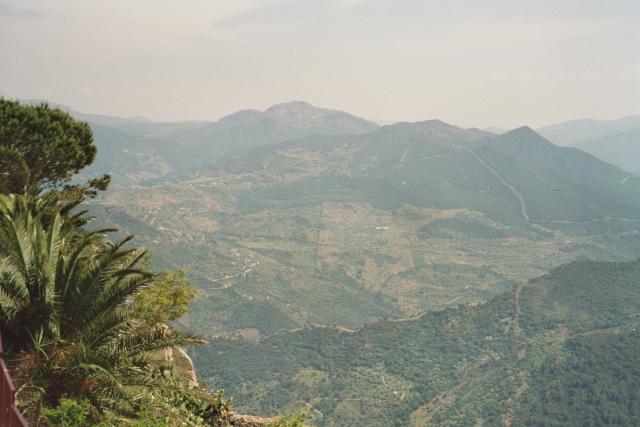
x: 65, y: 297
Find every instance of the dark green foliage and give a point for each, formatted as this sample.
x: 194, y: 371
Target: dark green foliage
x: 570, y: 357
x: 14, y: 173
x: 166, y: 298
x: 592, y: 295
x: 595, y: 383
x: 65, y: 297
x: 49, y: 142
x: 69, y: 413
x: 259, y: 315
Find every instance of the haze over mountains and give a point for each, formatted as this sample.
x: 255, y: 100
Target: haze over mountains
x: 305, y: 228
x: 378, y: 221
x: 161, y: 148
x: 140, y: 149
x: 614, y: 141
x: 573, y: 132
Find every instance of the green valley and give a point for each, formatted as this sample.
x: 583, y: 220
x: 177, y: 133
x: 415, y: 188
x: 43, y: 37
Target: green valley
x: 347, y: 229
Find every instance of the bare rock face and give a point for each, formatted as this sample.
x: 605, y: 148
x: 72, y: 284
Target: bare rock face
x: 180, y: 358
x: 233, y: 418
x: 238, y: 420
x: 191, y: 373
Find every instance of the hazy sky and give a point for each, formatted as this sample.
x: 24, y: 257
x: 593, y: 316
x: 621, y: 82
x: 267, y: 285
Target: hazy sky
x: 469, y: 62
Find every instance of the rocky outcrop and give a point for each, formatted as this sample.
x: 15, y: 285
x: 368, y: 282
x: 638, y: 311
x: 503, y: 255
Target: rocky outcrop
x: 238, y: 420
x: 179, y: 357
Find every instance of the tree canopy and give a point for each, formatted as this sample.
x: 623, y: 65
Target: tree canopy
x: 166, y: 298
x: 40, y: 146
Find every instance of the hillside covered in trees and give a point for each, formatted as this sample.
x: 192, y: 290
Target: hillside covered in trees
x: 558, y: 350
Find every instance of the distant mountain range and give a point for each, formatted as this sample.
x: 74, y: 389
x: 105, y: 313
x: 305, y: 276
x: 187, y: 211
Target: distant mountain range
x: 614, y: 141
x: 138, y: 149
x: 135, y: 150
x: 573, y: 132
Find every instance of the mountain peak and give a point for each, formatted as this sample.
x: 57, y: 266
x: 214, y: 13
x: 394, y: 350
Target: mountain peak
x: 240, y: 116
x: 521, y: 134
x: 433, y: 128
x: 522, y: 129
x: 294, y: 108
x: 316, y: 120
x: 420, y: 126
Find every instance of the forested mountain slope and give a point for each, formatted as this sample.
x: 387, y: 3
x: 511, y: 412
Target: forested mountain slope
x: 561, y: 349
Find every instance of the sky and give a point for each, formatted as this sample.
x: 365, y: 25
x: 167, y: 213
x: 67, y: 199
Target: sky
x: 469, y: 62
